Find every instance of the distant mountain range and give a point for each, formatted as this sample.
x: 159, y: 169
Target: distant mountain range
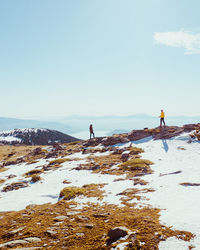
x: 12, y: 123
x: 76, y: 123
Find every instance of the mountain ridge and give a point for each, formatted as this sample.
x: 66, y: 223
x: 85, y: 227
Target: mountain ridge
x: 34, y: 136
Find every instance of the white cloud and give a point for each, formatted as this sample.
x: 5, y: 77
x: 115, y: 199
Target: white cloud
x: 181, y: 39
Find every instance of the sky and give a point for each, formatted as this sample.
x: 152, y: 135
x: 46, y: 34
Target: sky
x: 92, y: 57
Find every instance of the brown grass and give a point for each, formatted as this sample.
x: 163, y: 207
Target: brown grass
x: 73, y: 232
x: 89, y: 190
x: 15, y: 151
x: 35, y: 178
x: 2, y: 181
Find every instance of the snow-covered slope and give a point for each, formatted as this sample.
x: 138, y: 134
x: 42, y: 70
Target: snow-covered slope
x: 176, y: 162
x: 175, y: 180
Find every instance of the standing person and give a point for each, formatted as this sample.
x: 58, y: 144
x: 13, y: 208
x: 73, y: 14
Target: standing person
x: 162, y: 118
x: 91, y: 131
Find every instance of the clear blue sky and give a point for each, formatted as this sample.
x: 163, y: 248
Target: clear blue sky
x: 99, y: 57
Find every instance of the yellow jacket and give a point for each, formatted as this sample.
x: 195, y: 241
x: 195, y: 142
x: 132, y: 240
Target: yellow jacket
x: 162, y: 115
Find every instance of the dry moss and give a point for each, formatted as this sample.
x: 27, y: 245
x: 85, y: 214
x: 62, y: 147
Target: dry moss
x: 139, y: 181
x: 89, y: 190
x: 2, y: 181
x: 72, y: 143
x: 69, y: 193
x: 135, y: 150
x: 33, y: 172
x: 35, y: 178
x: 94, y: 190
x: 3, y: 169
x: 57, y: 161
x: 130, y: 194
x: 11, y: 153
x: 137, y: 166
x: 73, y: 232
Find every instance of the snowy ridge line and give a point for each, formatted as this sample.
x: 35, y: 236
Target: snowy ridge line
x: 21, y: 130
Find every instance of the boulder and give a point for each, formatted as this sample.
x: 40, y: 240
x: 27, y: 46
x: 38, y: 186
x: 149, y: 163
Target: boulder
x: 115, y: 233
x: 138, y: 135
x: 125, y: 157
x: 112, y: 140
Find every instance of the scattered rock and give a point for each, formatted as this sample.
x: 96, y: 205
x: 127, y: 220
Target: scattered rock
x: 73, y: 213
x: 90, y: 226
x: 36, y: 151
x: 138, y: 135
x: 112, y: 140
x: 16, y: 230
x: 80, y: 234
x: 8, y: 163
x: 125, y: 157
x: 12, y: 243
x: 83, y: 218
x: 188, y: 184
x: 57, y: 147
x: 95, y: 167
x: 52, y: 154
x: 189, y: 127
x: 66, y: 182
x: 32, y: 239
x: 11, y: 176
x: 50, y: 233
x: 116, y: 233
x: 60, y: 218
x: 102, y: 215
x: 15, y: 186
x: 177, y: 172
x: 119, y: 179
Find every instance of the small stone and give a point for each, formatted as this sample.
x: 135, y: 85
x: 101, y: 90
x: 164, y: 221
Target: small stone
x: 32, y: 239
x: 12, y: 243
x: 73, y: 213
x: 80, y: 234
x: 103, y: 215
x: 60, y: 218
x: 50, y: 232
x: 83, y: 218
x: 16, y: 230
x: 58, y: 223
x: 125, y: 157
x: 90, y: 226
x: 67, y: 182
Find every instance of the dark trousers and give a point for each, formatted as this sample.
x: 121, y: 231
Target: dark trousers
x: 162, y: 120
x: 92, y: 133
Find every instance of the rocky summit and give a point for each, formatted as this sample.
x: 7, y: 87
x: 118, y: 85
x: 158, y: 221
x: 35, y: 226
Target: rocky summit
x: 34, y: 136
x: 138, y: 190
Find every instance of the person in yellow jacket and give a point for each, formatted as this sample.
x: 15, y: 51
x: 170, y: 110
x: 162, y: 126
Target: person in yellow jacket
x: 162, y: 118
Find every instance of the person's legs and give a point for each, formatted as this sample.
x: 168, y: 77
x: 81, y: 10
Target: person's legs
x: 164, y: 121
x: 93, y: 135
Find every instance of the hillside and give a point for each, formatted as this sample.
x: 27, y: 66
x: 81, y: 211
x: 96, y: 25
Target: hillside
x: 128, y: 191
x: 34, y: 136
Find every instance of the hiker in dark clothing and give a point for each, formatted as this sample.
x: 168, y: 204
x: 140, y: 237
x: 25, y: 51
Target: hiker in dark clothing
x: 162, y: 118
x: 91, y: 131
